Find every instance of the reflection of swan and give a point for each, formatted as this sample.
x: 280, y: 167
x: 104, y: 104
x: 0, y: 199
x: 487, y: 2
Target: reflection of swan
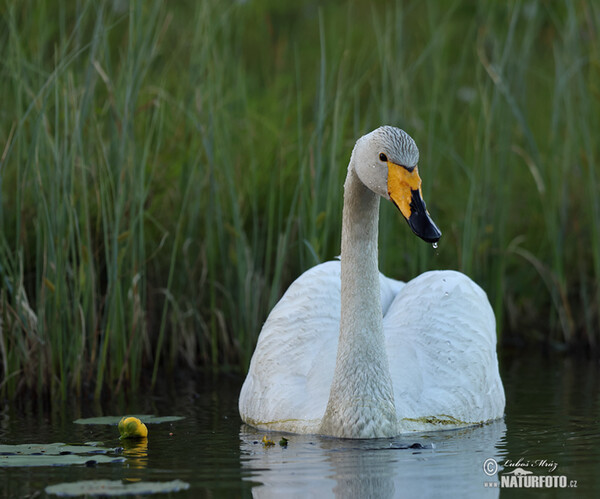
x: 312, y: 466
x: 429, y: 362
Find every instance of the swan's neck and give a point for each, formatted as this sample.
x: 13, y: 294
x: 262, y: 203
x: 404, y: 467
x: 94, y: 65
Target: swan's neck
x: 361, y: 401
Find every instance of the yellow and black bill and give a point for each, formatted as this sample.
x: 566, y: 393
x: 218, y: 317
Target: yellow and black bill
x: 404, y: 189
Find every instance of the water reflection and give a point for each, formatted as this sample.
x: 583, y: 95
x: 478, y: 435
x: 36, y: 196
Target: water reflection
x: 552, y: 414
x: 136, y: 452
x: 451, y: 461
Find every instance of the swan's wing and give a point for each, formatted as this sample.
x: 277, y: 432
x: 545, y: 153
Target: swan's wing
x: 290, y: 374
x: 389, y: 290
x: 292, y: 367
x: 441, y: 343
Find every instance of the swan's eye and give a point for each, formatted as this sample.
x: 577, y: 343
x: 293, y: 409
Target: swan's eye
x: 383, y: 157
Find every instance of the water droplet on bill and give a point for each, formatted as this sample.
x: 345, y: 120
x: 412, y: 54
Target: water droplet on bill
x: 435, y: 245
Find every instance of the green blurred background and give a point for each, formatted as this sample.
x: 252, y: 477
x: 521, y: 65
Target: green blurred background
x: 168, y: 168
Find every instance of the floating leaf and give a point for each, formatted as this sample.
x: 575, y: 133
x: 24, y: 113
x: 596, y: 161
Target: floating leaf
x: 283, y: 442
x: 53, y: 449
x: 114, y: 420
x: 114, y: 488
x: 52, y: 460
x: 55, y: 454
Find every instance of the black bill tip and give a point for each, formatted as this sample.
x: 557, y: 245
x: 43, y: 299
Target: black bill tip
x: 420, y: 222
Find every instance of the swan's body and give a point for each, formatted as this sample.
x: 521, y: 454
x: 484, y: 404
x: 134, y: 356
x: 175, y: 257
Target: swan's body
x: 350, y: 353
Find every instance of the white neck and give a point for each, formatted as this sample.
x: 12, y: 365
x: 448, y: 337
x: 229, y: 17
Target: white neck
x: 361, y: 400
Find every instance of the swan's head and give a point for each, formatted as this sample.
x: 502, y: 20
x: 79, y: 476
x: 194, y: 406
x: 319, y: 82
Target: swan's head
x: 385, y: 161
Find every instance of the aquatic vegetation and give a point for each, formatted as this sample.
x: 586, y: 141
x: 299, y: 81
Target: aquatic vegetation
x: 130, y: 427
x: 111, y: 488
x: 267, y: 442
x: 115, y: 420
x: 56, y: 454
x: 131, y: 457
x: 165, y: 170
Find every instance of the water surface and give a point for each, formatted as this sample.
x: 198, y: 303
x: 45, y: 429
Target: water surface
x: 551, y: 428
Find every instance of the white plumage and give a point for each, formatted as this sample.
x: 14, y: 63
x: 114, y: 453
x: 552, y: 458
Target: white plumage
x: 400, y: 357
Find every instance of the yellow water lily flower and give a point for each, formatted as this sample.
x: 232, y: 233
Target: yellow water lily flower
x: 130, y: 427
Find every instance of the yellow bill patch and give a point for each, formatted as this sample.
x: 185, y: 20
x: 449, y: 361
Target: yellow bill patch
x: 400, y: 184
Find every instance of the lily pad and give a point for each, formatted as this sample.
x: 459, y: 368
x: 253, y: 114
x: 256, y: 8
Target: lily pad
x: 55, y: 454
x: 114, y: 420
x: 54, y: 449
x: 53, y: 460
x: 114, y: 488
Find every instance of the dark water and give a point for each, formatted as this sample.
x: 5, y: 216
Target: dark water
x: 551, y: 429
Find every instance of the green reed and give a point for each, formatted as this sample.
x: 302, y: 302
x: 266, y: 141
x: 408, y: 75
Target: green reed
x: 168, y: 169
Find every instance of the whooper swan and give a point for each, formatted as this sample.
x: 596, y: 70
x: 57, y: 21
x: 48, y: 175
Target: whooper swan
x: 348, y: 352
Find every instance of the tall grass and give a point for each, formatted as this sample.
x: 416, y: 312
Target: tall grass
x: 167, y: 169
